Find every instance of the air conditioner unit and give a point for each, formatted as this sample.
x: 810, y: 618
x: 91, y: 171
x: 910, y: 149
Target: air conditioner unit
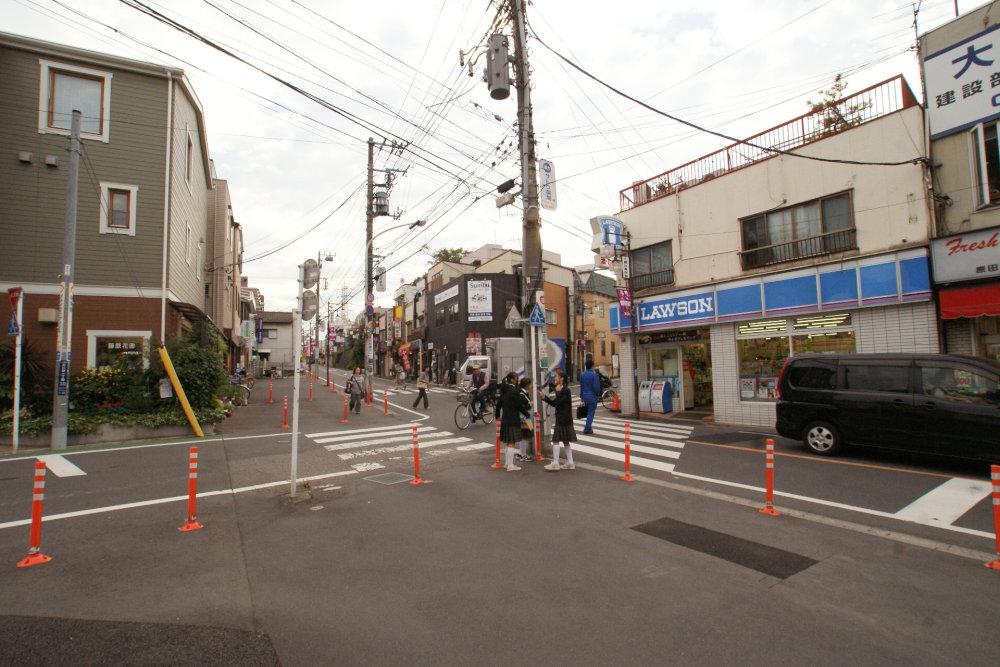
x: 47, y: 315
x: 641, y: 192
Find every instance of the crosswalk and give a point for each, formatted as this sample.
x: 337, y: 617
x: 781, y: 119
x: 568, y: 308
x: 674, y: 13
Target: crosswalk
x: 385, y: 441
x: 411, y: 391
x: 656, y: 446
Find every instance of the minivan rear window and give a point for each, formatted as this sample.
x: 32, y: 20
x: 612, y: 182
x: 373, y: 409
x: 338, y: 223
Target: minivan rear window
x: 812, y: 375
x: 895, y: 379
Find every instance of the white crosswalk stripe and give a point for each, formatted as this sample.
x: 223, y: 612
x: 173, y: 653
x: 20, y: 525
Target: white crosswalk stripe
x: 655, y: 446
x: 647, y: 428
x: 396, y: 439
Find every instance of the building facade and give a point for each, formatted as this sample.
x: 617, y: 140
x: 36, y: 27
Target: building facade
x: 276, y: 349
x: 748, y: 257
x: 595, y: 294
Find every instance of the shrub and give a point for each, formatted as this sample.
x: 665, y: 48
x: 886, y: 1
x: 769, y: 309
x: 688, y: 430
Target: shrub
x: 197, y: 359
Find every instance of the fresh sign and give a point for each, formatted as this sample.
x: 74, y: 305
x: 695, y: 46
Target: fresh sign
x: 970, y: 256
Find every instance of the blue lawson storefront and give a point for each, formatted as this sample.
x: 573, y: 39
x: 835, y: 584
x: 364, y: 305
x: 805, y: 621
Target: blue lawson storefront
x: 774, y: 316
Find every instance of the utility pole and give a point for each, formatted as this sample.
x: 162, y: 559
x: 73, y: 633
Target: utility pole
x: 531, y: 252
x: 369, y: 287
x: 319, y: 286
x: 329, y: 321
x: 634, y: 319
x: 64, y: 335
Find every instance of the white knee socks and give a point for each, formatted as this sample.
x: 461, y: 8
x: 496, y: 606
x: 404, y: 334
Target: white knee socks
x: 555, y: 453
x: 509, y: 456
x: 569, y: 455
x: 522, y: 447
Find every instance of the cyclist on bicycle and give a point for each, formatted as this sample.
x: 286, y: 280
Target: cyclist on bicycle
x: 479, y: 385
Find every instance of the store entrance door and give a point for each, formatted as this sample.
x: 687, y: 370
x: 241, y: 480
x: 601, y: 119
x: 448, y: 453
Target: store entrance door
x: 698, y: 369
x: 664, y: 363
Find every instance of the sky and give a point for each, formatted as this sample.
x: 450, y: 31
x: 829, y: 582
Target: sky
x: 390, y: 70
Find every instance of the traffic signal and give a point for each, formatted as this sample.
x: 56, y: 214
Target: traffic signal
x: 497, y: 78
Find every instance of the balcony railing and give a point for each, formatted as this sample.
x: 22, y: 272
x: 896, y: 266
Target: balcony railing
x: 653, y: 279
x: 823, y: 121
x: 844, y: 239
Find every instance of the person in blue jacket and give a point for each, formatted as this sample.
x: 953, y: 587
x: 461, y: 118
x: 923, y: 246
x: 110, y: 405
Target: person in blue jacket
x: 590, y: 392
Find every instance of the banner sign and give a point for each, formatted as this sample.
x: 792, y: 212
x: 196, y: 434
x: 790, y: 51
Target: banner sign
x: 971, y: 256
x: 473, y: 343
x: 624, y: 301
x: 446, y: 294
x: 547, y: 185
x: 607, y: 235
x: 963, y: 83
x: 480, y: 298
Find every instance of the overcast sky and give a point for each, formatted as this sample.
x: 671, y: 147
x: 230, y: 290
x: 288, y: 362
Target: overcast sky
x: 738, y: 66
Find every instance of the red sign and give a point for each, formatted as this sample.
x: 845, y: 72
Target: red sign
x: 624, y: 301
x: 956, y: 244
x: 15, y: 296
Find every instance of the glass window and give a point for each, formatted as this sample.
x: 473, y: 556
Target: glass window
x: 825, y: 321
x: 874, y: 377
x: 824, y: 343
x: 112, y: 349
x: 754, y: 235
x: 837, y: 213
x: 958, y: 384
x: 550, y: 316
x: 118, y: 213
x: 813, y: 375
x: 640, y: 262
x: 761, y: 360
x: 659, y: 258
x: 992, y: 161
x: 69, y: 91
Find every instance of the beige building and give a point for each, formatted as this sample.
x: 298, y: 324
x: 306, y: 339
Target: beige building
x: 594, y: 339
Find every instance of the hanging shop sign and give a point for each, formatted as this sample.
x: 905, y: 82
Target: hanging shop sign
x: 444, y: 295
x: 971, y: 256
x: 547, y: 185
x: 480, y: 300
x: 962, y: 82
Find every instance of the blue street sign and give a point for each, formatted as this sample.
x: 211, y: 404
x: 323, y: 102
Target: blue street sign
x: 369, y: 311
x: 62, y: 385
x: 537, y: 317
x: 13, y: 329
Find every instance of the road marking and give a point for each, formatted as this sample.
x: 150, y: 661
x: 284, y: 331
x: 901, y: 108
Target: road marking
x: 946, y: 503
x: 171, y: 499
x: 365, y: 467
x: 414, y: 412
x: 648, y: 429
x: 474, y: 447
x: 636, y: 460
x: 403, y: 428
x: 357, y: 430
x: 59, y: 466
x: 600, y: 430
x: 388, y: 441
x: 666, y: 453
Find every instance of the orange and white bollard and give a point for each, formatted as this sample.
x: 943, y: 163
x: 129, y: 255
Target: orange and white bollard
x: 538, y: 441
x: 270, y: 389
x: 496, y: 459
x: 192, y: 520
x: 768, y: 507
x: 284, y: 416
x: 385, y: 402
x: 347, y: 397
x: 310, y: 390
x: 416, y: 459
x: 995, y: 478
x: 615, y: 405
x: 35, y: 555
x: 628, y: 454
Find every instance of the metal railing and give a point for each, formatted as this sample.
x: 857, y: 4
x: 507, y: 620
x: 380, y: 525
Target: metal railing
x: 823, y: 121
x: 844, y: 239
x: 665, y: 277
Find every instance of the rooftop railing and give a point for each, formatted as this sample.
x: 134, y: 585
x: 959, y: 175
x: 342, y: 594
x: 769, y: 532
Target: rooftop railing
x: 823, y: 121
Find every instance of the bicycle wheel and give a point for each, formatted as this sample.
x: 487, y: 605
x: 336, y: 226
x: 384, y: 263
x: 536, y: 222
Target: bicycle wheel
x: 249, y: 382
x: 489, y: 414
x: 462, y: 417
x: 607, y: 398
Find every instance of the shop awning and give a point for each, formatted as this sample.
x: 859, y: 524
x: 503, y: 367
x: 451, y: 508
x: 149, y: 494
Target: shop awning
x: 969, y: 301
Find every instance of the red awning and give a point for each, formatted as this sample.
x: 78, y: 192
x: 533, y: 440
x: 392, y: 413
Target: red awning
x: 969, y: 301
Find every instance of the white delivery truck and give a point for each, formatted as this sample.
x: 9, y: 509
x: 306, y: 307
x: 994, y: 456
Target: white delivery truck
x: 503, y: 355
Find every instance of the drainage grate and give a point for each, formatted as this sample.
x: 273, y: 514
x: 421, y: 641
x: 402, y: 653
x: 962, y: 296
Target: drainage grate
x: 389, y: 478
x: 774, y: 562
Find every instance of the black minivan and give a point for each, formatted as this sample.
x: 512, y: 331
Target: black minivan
x: 945, y: 404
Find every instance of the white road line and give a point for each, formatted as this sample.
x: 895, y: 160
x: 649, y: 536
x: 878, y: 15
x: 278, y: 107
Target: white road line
x: 420, y: 415
x: 473, y: 447
x: 171, y: 499
x: 358, y: 430
x: 651, y: 440
x: 647, y: 430
x: 636, y: 460
x: 946, y: 503
x: 403, y: 428
x: 642, y: 449
x: 59, y: 466
x: 425, y: 442
x: 396, y: 449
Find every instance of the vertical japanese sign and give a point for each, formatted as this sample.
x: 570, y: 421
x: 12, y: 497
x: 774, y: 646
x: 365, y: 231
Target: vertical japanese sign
x: 480, y: 304
x: 625, y: 301
x: 963, y: 83
x: 547, y: 185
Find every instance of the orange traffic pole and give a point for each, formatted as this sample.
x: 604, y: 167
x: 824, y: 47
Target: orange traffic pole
x: 192, y: 520
x: 35, y: 555
x: 343, y: 420
x: 310, y: 390
x: 615, y: 405
x: 768, y: 507
x: 628, y: 454
x: 416, y: 459
x: 538, y: 441
x: 496, y: 459
x: 995, y: 478
x: 385, y: 402
x: 284, y: 416
x: 270, y: 389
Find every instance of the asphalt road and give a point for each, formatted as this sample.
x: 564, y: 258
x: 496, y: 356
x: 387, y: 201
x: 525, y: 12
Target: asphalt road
x: 877, y: 557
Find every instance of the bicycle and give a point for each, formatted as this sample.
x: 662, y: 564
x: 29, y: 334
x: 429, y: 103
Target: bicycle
x: 608, y: 396
x: 243, y: 386
x: 466, y: 414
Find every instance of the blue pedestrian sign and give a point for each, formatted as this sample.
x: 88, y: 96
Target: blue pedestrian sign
x: 13, y: 329
x: 537, y: 317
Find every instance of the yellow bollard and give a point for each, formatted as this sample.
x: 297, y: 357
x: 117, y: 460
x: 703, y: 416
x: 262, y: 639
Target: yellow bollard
x: 179, y: 390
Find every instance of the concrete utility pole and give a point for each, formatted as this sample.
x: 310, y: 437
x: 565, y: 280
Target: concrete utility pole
x: 329, y: 322
x: 369, y: 287
x: 64, y: 335
x: 634, y: 329
x: 319, y: 286
x: 531, y: 252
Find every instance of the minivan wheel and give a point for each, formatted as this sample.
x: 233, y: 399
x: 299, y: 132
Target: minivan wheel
x: 822, y: 438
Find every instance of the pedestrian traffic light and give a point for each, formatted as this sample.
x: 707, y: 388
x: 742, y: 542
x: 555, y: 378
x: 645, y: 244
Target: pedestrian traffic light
x: 497, y: 78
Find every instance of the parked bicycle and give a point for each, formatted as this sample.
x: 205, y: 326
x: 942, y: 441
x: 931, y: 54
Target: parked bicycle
x: 469, y: 411
x: 238, y: 380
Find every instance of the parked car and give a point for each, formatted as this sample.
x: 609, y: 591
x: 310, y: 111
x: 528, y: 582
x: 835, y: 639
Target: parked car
x: 943, y: 404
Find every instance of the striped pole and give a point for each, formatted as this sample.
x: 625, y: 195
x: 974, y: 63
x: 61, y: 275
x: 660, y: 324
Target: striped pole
x: 496, y: 460
x: 284, y: 416
x: 310, y: 390
x: 347, y: 397
x: 385, y: 402
x: 628, y: 454
x: 768, y: 507
x: 35, y: 555
x: 270, y: 389
x: 416, y: 459
x: 538, y: 440
x: 192, y: 520
x: 995, y: 478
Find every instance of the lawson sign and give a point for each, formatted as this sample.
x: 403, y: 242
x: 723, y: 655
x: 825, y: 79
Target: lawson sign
x: 689, y: 308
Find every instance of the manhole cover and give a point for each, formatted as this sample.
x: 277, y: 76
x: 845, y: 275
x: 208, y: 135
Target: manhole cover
x: 389, y: 478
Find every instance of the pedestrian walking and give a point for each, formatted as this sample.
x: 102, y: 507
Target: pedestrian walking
x: 423, y: 381
x: 510, y: 408
x: 590, y: 392
x: 527, y: 423
x: 563, y: 432
x: 356, y: 389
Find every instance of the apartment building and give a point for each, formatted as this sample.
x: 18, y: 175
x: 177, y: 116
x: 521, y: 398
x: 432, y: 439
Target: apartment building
x: 145, y: 220
x: 595, y: 294
x: 745, y: 257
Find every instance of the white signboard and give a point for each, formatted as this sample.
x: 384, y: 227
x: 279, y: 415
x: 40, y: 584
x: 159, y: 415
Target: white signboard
x: 446, y: 294
x: 626, y: 267
x: 547, y: 185
x: 972, y: 256
x: 963, y: 83
x: 608, y: 233
x: 480, y: 300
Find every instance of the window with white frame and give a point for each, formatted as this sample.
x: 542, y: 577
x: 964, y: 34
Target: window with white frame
x: 201, y: 258
x: 187, y: 243
x: 64, y: 88
x: 550, y: 316
x: 106, y: 348
x: 189, y: 158
x: 117, y: 208
x: 986, y: 163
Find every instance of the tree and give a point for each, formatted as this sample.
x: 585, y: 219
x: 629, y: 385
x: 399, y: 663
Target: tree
x: 833, y: 114
x: 449, y: 254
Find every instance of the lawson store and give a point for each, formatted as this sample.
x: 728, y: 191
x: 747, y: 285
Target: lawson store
x: 717, y: 350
